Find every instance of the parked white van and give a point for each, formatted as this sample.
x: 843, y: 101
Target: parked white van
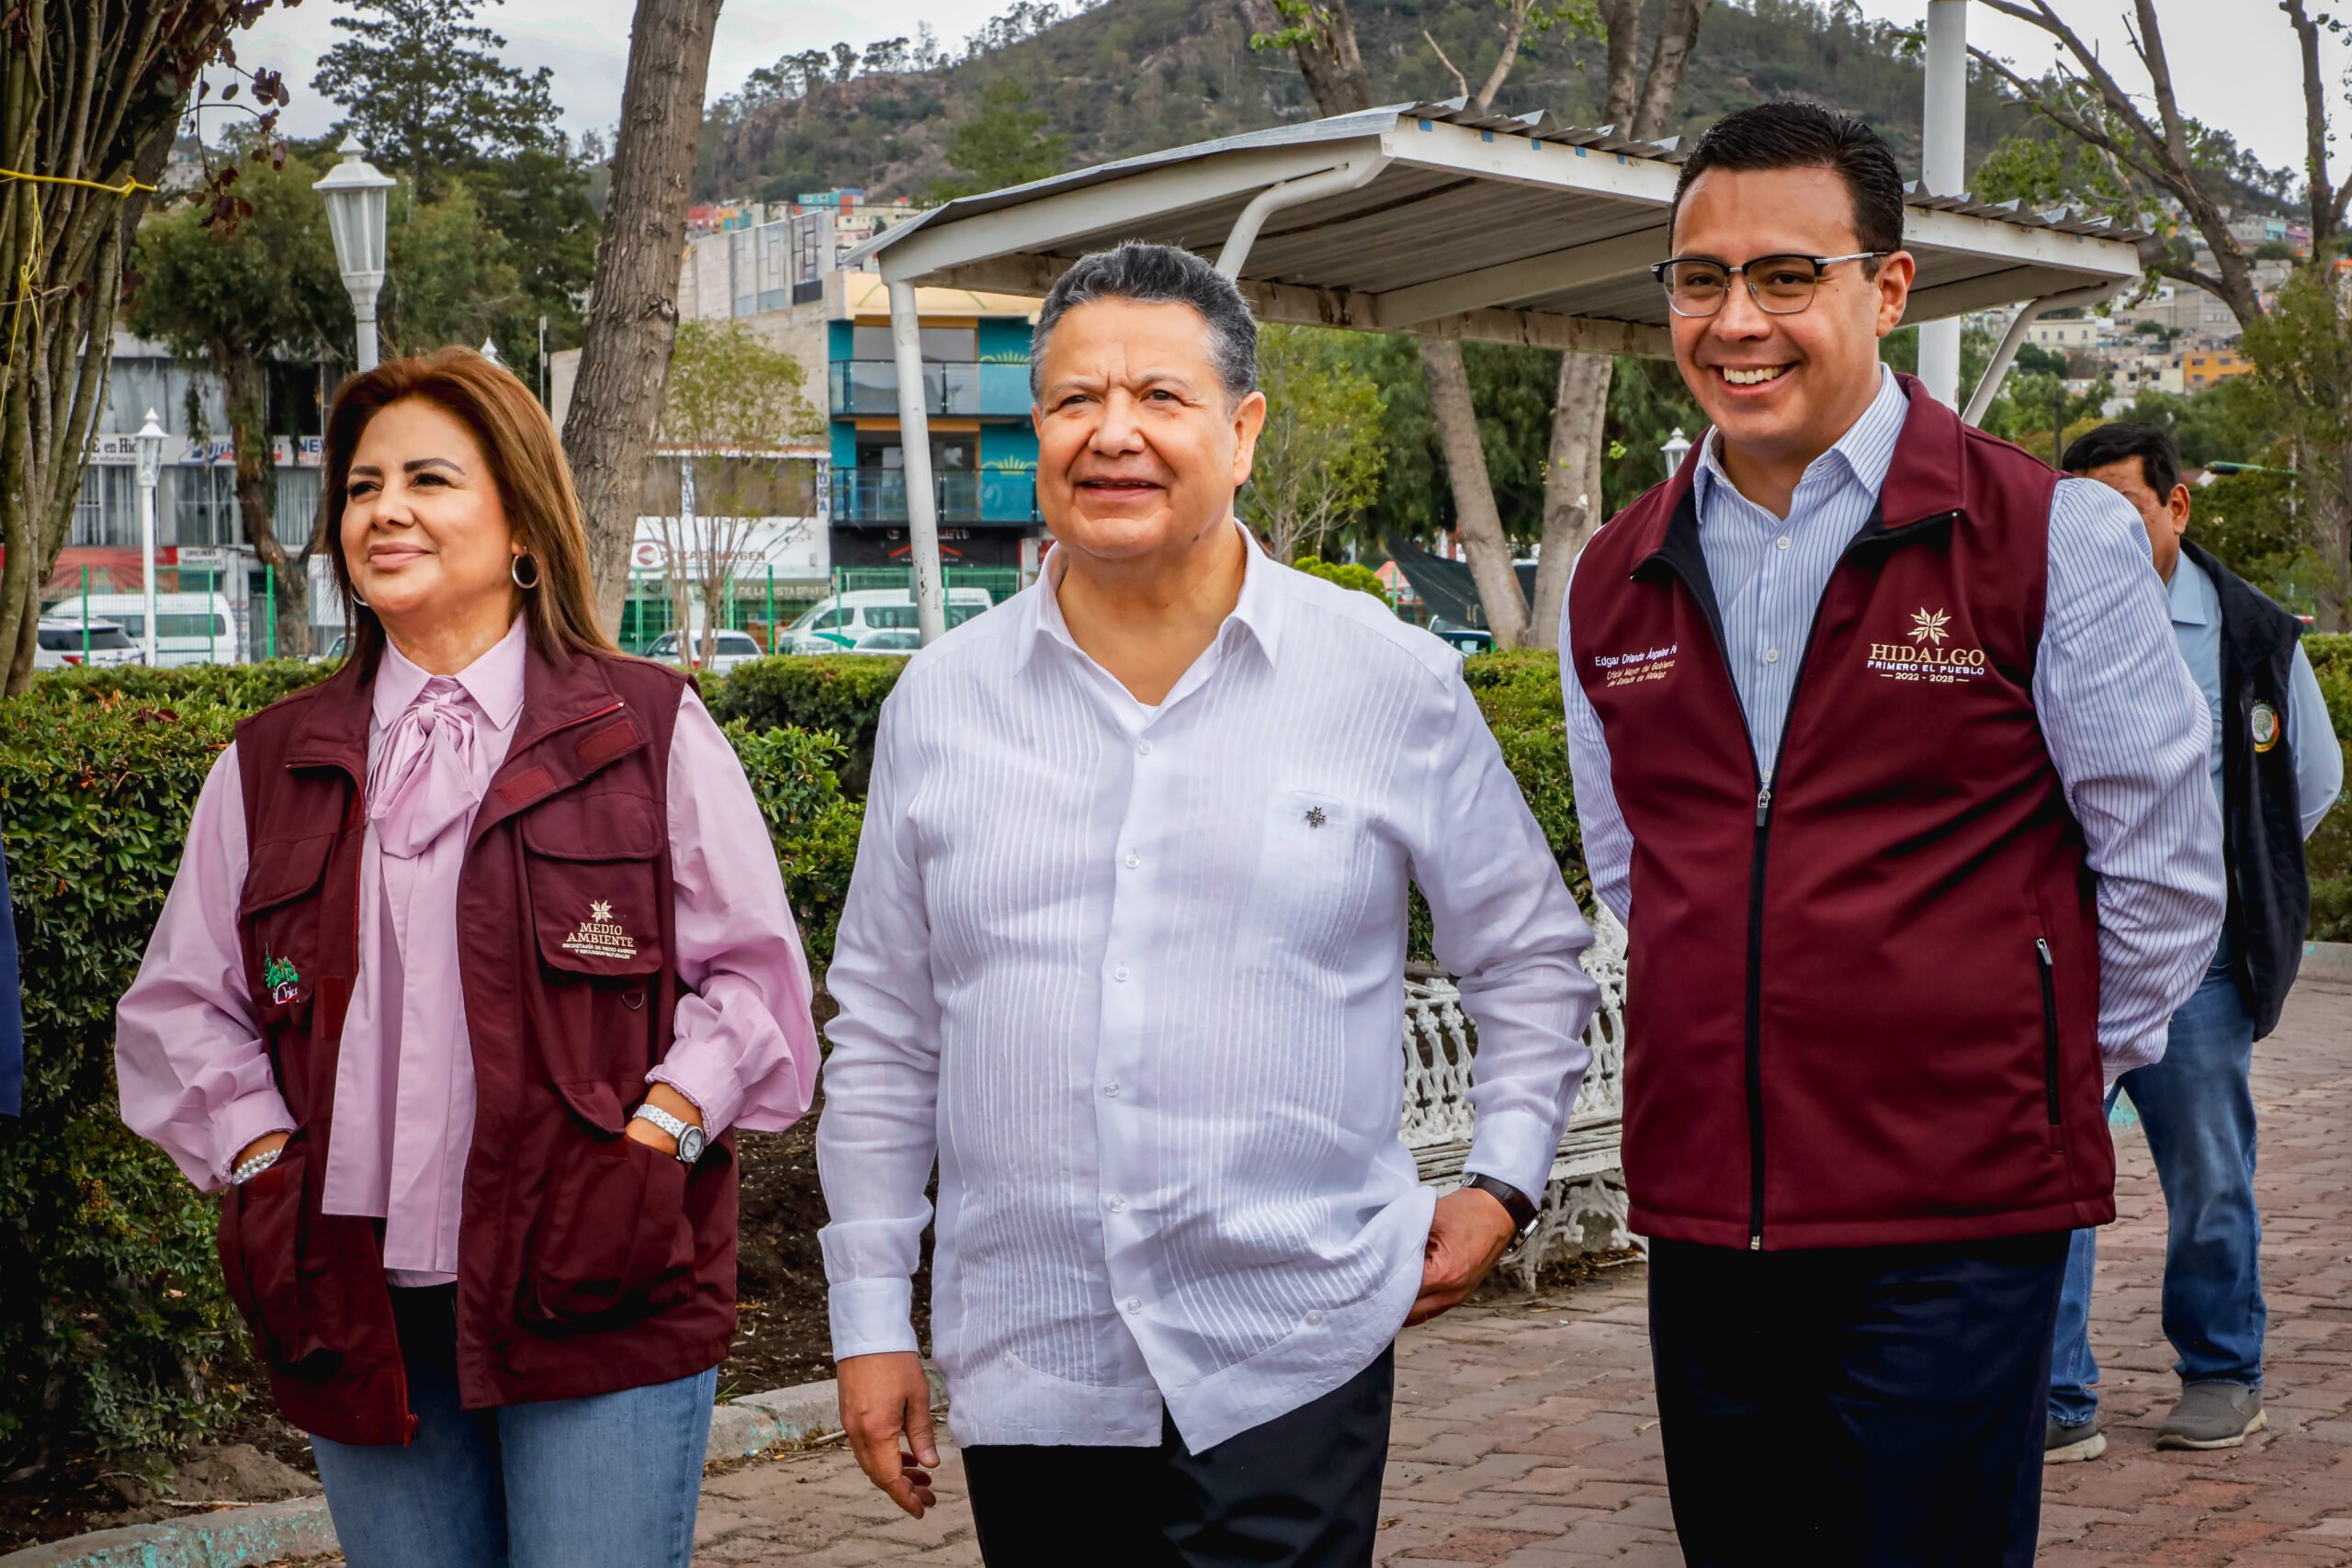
x: 843, y: 619
x: 182, y: 634
x: 66, y: 645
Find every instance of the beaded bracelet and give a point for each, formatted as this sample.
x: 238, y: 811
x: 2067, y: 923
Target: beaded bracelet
x: 255, y: 1166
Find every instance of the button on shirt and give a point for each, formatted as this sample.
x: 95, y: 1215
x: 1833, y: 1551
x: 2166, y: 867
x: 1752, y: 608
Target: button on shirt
x: 2196, y: 624
x: 1136, y: 978
x: 2109, y: 688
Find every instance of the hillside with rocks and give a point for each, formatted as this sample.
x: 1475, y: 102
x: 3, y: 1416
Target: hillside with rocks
x: 1127, y: 76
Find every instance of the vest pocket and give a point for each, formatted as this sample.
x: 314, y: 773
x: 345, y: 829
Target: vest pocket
x: 262, y: 1231
x: 611, y: 1241
x: 2045, y: 968
x: 592, y: 874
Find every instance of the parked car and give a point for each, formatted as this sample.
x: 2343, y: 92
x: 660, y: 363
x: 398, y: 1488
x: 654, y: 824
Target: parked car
x: 733, y: 648
x: 339, y: 648
x: 895, y: 641
x: 59, y: 644
x: 191, y: 628
x: 1469, y: 639
x: 844, y: 618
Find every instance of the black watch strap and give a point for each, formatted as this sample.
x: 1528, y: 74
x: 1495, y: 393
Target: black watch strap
x: 1520, y: 1207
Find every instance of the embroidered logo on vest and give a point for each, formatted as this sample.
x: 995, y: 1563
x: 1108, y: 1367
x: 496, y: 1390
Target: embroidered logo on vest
x: 2265, y: 727
x: 285, y: 986
x: 600, y: 936
x: 1925, y: 657
x: 1640, y: 664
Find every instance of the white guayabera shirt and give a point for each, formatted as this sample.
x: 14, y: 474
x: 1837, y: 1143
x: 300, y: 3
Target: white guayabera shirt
x: 1134, y: 977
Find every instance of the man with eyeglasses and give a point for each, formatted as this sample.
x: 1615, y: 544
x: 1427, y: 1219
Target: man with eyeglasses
x: 1885, y: 754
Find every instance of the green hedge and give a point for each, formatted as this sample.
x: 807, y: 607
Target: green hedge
x: 112, y: 1319
x: 841, y: 692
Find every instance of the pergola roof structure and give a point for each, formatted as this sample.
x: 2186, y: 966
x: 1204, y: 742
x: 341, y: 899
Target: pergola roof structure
x: 1442, y: 221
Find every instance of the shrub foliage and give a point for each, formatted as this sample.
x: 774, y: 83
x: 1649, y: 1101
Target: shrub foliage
x: 841, y: 692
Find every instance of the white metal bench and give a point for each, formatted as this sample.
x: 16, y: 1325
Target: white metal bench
x: 1584, y: 1204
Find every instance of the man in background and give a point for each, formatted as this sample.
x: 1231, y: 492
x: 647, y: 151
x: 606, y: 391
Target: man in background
x: 2275, y: 768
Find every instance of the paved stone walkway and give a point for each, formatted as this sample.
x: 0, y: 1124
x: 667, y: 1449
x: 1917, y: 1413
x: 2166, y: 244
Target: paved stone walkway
x: 1525, y: 1433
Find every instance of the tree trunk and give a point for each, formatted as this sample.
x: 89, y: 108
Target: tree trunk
x: 633, y: 303
x: 1476, y: 522
x: 242, y: 395
x: 1572, y: 496
x: 1639, y: 105
x: 2330, y: 533
x: 1325, y: 50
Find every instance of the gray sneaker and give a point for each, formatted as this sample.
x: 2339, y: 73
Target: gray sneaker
x: 2212, y: 1415
x: 2072, y: 1445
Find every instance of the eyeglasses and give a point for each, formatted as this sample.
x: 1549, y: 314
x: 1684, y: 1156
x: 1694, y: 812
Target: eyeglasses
x: 1780, y: 285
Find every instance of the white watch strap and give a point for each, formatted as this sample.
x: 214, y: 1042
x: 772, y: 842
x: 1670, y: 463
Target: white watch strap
x: 663, y: 1120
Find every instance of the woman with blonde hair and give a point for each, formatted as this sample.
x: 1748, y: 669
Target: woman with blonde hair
x: 473, y: 962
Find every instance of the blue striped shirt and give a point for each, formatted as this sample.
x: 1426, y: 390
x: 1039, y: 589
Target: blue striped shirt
x: 2124, y: 722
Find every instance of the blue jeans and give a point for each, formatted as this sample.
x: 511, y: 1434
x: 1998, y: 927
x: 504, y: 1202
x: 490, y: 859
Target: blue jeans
x: 609, y: 1480
x: 2198, y: 1109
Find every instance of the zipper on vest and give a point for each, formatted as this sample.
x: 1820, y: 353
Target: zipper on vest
x: 2049, y: 1024
x: 1755, y: 1050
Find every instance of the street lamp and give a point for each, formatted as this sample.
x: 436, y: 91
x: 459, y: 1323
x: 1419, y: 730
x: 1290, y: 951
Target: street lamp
x: 1676, y: 448
x: 150, y: 469
x: 489, y: 352
x: 2216, y: 468
x: 355, y: 193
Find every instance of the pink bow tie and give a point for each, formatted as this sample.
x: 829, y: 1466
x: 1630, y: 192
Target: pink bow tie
x: 424, y: 778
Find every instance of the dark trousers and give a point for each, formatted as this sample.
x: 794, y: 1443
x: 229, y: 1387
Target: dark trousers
x: 1302, y: 1490
x: 1873, y: 1405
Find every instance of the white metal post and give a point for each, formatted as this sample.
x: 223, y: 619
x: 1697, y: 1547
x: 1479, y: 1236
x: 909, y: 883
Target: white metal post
x: 1943, y: 170
x: 151, y: 459
x: 914, y: 447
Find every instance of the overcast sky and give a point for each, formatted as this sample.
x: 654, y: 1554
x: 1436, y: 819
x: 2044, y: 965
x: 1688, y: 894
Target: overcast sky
x: 2235, y: 60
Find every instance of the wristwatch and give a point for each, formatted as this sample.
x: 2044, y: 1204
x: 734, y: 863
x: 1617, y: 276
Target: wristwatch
x: 1520, y: 1208
x: 690, y: 1137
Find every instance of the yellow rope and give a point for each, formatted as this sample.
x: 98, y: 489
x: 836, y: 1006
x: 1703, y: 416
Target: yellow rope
x: 25, y: 268
x: 125, y: 188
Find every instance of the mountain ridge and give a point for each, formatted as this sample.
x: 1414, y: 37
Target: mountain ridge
x: 1129, y: 76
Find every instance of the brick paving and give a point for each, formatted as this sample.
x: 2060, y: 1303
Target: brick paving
x: 1526, y: 1435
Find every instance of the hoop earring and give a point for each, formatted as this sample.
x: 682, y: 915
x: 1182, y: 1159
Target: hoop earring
x: 358, y: 601
x: 514, y: 571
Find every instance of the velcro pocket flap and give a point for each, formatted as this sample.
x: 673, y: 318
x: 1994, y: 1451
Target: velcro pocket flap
x: 594, y: 1101
x: 594, y: 826
x: 280, y: 870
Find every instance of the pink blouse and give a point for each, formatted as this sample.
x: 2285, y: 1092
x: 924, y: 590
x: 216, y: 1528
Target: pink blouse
x: 188, y: 1048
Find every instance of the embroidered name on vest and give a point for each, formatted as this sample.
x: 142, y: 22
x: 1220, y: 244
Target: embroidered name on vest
x: 1641, y: 664
x: 1923, y: 657
x: 601, y: 936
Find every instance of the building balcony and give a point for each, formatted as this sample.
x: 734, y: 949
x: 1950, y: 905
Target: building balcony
x: 870, y: 387
x: 876, y: 497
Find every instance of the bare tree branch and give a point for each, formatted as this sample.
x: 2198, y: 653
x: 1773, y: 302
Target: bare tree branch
x: 2326, y: 202
x: 1443, y: 59
x: 2159, y: 153
x: 1513, y: 31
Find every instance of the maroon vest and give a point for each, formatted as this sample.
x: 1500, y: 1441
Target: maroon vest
x: 1862, y: 1005
x: 587, y: 1262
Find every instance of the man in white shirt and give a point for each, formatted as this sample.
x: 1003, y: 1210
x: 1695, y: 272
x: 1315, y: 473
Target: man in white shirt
x: 1124, y: 952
